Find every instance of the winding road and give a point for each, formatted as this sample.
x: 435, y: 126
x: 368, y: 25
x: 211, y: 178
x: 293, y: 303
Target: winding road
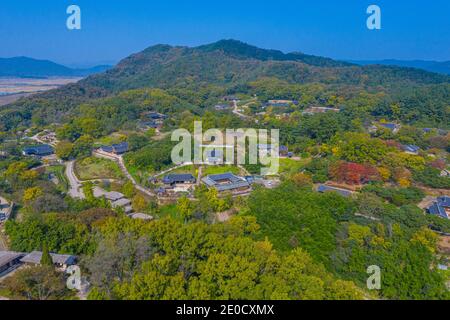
x: 123, y: 168
x: 75, y: 186
x: 237, y: 112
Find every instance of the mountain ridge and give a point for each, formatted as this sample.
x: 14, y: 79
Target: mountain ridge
x: 24, y: 67
x: 227, y: 64
x: 442, y: 67
x: 233, y: 61
x: 241, y: 49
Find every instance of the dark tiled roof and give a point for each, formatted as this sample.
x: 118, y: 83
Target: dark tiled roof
x: 36, y: 256
x: 179, y: 178
x: 108, y: 149
x: 390, y: 126
x: 223, y: 176
x: 155, y: 116
x: 232, y: 186
x: 116, y: 148
x: 121, y: 147
x: 9, y: 256
x: 39, y: 150
x: 231, y: 181
x: 411, y: 148
x: 444, y: 201
x: 438, y: 208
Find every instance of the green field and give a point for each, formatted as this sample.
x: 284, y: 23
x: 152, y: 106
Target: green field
x: 207, y: 170
x: 290, y: 166
x: 186, y: 169
x: 111, y: 139
x: 95, y: 168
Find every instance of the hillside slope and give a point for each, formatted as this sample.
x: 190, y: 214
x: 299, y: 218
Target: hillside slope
x: 227, y: 63
x: 230, y: 62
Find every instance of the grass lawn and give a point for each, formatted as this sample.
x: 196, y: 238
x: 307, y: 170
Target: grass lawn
x: 290, y: 166
x: 135, y: 172
x: 95, y: 168
x: 207, y: 170
x: 113, y: 138
x: 186, y: 169
x: 58, y: 171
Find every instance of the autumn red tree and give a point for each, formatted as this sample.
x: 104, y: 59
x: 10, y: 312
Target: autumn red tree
x: 354, y: 173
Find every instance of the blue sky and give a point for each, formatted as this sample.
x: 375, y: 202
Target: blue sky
x: 113, y: 29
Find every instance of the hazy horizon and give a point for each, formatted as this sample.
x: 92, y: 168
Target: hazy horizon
x: 90, y: 64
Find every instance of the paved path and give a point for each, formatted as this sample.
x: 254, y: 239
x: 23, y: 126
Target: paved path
x: 75, y: 187
x: 367, y: 216
x: 3, y: 246
x: 9, y: 209
x: 123, y: 168
x: 244, y: 170
x: 200, y: 175
x: 236, y: 111
x: 39, y: 140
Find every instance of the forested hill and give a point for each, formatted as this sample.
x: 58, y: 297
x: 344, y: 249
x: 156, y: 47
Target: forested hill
x: 432, y: 66
x: 241, y: 50
x: 228, y: 64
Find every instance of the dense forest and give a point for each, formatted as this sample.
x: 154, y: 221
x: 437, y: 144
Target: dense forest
x: 230, y: 66
x: 284, y: 242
